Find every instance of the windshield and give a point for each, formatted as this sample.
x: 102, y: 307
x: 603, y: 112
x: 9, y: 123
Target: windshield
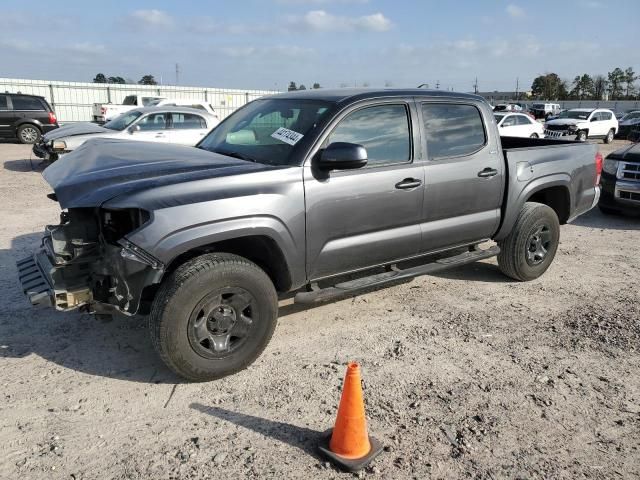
x: 266, y: 130
x: 563, y: 114
x: 631, y: 116
x: 578, y: 114
x: 122, y: 121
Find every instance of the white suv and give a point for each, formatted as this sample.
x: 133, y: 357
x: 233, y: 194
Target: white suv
x: 584, y: 123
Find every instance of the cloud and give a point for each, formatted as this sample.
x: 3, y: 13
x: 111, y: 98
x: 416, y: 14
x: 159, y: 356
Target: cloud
x: 321, y: 21
x: 151, y: 18
x: 279, y: 51
x: 515, y: 11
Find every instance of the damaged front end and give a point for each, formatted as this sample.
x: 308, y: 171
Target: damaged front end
x: 86, y: 262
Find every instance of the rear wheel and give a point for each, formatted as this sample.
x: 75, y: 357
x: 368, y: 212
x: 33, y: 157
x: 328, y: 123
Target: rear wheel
x: 213, y: 316
x: 532, y: 244
x: 609, y: 138
x: 28, y: 133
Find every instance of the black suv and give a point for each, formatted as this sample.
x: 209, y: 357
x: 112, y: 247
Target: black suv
x: 25, y: 117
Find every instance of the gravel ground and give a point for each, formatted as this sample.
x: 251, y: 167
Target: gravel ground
x: 467, y: 374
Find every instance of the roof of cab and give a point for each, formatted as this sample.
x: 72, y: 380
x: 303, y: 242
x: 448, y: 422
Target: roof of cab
x: 353, y: 94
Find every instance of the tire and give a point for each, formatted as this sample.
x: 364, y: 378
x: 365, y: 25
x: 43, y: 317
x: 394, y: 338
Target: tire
x: 516, y: 259
x: 199, y: 324
x: 609, y: 138
x: 534, y: 135
x: 28, y: 133
x: 581, y: 136
x: 608, y: 211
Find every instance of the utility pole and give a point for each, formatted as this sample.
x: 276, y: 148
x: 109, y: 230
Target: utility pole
x: 437, y: 84
x: 517, y: 87
x: 177, y: 74
x: 475, y: 86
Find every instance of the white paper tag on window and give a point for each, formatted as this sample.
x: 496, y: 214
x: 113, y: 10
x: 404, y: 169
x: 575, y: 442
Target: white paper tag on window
x: 287, y: 136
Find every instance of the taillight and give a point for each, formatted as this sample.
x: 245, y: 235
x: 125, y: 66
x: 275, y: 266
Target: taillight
x: 598, y: 167
x: 103, y: 110
x: 52, y: 118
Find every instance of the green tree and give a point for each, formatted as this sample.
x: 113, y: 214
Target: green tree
x: 147, y: 80
x: 292, y: 86
x: 616, y: 80
x: 116, y: 80
x: 549, y: 87
x: 302, y: 87
x: 599, y: 87
x: 582, y: 87
x: 316, y: 86
x: 629, y: 78
x: 100, y: 78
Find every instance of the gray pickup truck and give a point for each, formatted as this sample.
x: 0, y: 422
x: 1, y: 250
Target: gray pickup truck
x: 319, y: 193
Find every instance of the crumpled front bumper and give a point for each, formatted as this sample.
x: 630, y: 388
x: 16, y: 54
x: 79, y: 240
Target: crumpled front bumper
x: 37, y: 277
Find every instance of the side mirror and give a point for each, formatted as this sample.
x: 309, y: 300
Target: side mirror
x: 133, y: 128
x: 342, y: 156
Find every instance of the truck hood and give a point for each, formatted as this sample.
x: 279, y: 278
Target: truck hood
x: 101, y: 169
x: 629, y: 153
x: 565, y: 121
x: 83, y: 128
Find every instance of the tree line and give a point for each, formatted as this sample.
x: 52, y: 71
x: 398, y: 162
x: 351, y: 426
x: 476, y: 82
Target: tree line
x: 145, y: 80
x: 293, y: 86
x: 617, y: 85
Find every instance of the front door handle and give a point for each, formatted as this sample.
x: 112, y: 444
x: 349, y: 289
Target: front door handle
x: 408, y: 183
x: 488, y: 172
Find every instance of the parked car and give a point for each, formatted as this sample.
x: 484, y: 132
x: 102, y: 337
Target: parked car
x: 507, y: 107
x: 561, y: 114
x: 288, y: 194
x: 197, y: 104
x: 544, y: 110
x: 584, y: 123
x: 181, y: 125
x: 627, y: 124
x: 518, y: 125
x: 25, y: 117
x: 103, y: 112
x: 621, y: 181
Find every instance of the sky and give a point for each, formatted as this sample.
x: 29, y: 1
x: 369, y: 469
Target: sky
x: 265, y: 44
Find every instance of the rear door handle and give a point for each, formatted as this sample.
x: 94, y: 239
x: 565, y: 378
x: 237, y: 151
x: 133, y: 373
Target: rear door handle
x: 488, y: 172
x: 408, y: 183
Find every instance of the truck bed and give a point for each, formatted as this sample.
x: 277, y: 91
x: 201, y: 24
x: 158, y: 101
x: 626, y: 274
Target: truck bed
x: 534, y: 163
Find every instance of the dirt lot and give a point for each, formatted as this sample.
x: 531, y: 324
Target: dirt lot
x: 467, y: 374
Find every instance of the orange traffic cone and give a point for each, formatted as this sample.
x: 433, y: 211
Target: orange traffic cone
x: 348, y: 445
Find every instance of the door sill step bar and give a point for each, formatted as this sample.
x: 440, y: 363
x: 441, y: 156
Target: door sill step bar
x: 354, y: 286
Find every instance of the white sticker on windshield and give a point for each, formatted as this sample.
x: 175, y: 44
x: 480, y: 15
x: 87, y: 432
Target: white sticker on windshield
x: 287, y: 136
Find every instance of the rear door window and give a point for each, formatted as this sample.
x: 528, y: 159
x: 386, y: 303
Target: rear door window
x: 452, y: 130
x: 27, y: 103
x: 522, y: 120
x: 3, y: 103
x: 185, y: 121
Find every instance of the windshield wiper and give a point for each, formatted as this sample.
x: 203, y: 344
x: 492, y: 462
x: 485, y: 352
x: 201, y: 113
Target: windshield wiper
x: 239, y: 155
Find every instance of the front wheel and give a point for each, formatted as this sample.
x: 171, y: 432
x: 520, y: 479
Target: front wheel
x: 213, y: 316
x: 581, y: 136
x: 531, y: 246
x: 609, y: 138
x: 533, y: 135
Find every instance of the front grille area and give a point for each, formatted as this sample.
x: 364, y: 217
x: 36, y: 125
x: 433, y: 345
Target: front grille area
x: 630, y: 196
x: 630, y: 171
x: 557, y: 127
